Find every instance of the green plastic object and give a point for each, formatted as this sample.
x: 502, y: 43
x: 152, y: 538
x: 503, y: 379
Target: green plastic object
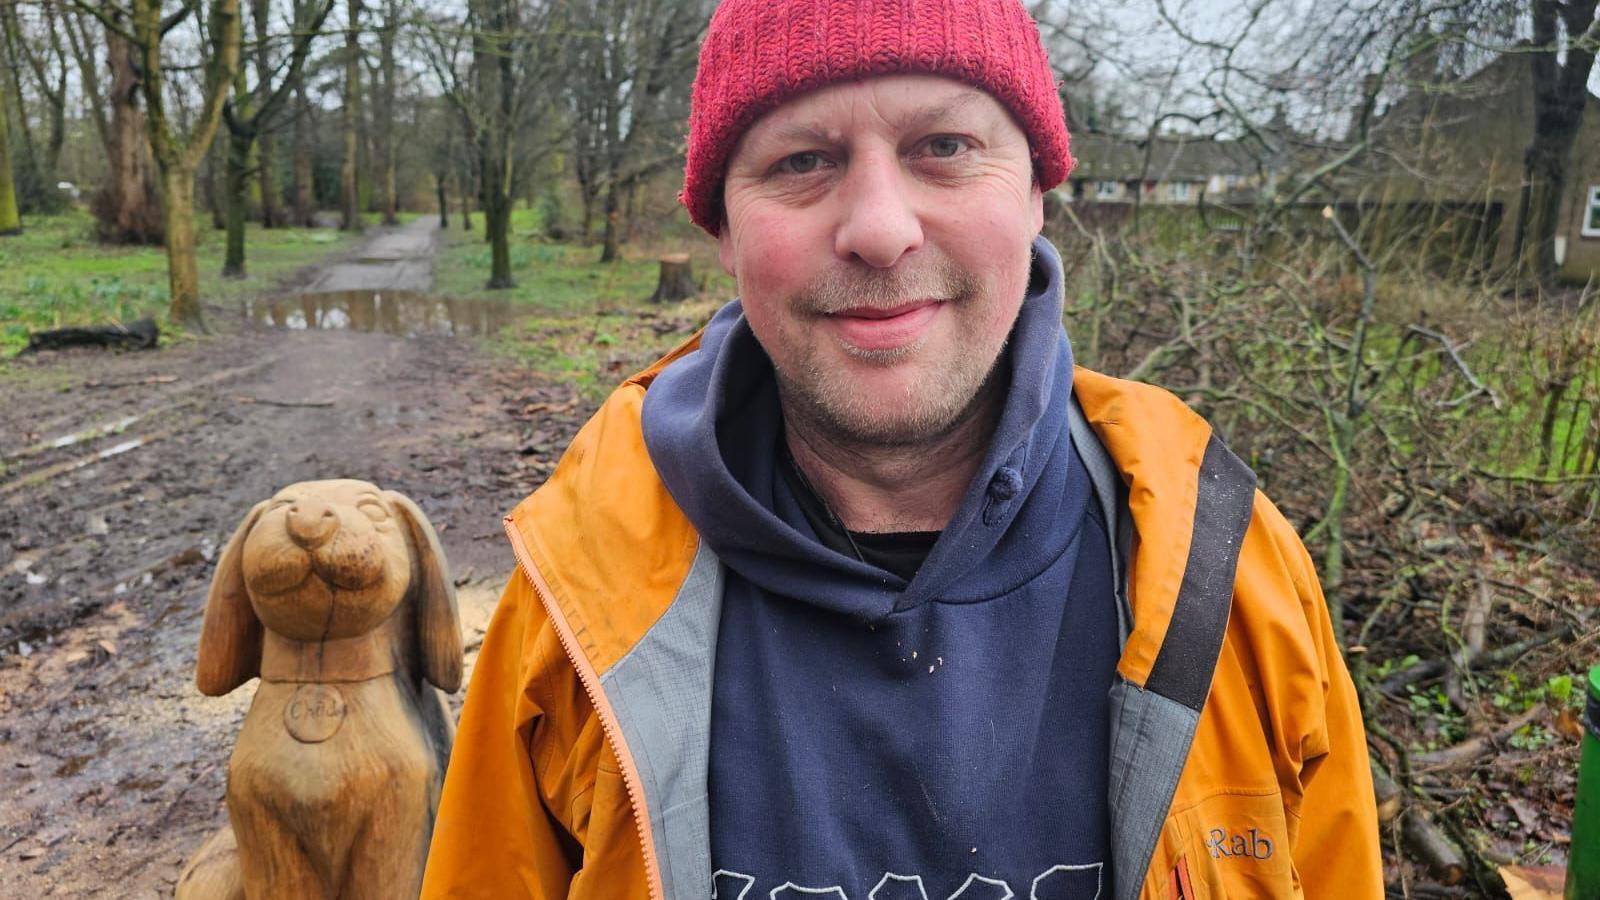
x: 1583, y: 863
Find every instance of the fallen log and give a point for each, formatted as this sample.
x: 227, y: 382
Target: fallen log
x: 1472, y: 748
x: 137, y: 335
x: 1430, y: 846
x: 1434, y: 668
x: 1386, y: 792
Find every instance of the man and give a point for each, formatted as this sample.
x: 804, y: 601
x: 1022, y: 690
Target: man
x: 866, y: 593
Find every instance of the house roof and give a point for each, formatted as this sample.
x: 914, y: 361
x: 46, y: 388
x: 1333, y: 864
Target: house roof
x: 1459, y: 139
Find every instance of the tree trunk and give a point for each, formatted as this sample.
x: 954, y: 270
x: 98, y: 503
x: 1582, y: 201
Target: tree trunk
x: 260, y: 15
x: 1560, y: 96
x: 302, y: 159
x: 10, y: 221
x: 635, y: 207
x: 466, y: 203
x: 180, y: 153
x: 183, y: 276
x: 385, y: 130
x: 238, y: 202
x: 586, y: 226
x: 1544, y: 181
x: 50, y: 87
x: 89, y: 75
x: 391, y: 203
x: 129, y: 208
x: 213, y: 177
x: 444, y: 206
x: 612, y: 250
x: 497, y: 225
x: 676, y: 281
x: 265, y: 160
x: 496, y: 202
x: 58, y: 139
x: 1554, y: 392
x: 350, y: 191
x: 28, y: 178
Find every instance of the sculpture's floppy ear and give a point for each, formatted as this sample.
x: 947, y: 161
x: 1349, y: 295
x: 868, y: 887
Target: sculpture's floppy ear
x: 230, y: 637
x: 438, y: 621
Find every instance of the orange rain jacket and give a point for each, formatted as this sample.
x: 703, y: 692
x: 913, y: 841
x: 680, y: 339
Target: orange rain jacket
x: 1238, y: 767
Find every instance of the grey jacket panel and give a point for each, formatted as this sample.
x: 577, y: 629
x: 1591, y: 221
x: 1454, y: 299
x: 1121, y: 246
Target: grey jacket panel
x: 1150, y: 737
x: 661, y: 692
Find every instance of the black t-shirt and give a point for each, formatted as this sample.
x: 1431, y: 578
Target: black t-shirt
x: 900, y: 552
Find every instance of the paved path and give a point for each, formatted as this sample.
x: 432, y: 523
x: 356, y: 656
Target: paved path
x: 399, y: 260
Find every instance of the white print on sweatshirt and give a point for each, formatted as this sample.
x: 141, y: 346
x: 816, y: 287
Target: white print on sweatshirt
x: 1061, y: 882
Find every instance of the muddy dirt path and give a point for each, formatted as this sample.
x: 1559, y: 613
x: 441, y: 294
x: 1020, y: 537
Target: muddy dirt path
x: 120, y: 476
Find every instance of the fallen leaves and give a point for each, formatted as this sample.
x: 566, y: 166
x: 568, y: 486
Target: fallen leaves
x: 1534, y: 882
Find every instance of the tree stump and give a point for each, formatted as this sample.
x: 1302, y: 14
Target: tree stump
x: 676, y: 281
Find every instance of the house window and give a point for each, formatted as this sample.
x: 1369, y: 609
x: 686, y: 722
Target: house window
x: 1105, y: 190
x: 1591, y: 214
x: 1180, y: 190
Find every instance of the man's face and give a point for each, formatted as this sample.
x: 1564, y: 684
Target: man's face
x: 880, y: 233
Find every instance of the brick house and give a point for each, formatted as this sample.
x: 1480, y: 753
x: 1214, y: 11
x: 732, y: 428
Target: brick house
x: 1444, y: 170
x: 1455, y: 150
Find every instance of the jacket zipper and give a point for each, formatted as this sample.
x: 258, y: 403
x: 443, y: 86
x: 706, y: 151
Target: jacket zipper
x: 591, y: 686
x: 1181, y: 888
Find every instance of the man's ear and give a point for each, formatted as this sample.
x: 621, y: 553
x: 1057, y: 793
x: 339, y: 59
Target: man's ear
x: 438, y: 621
x: 230, y: 635
x: 1036, y: 208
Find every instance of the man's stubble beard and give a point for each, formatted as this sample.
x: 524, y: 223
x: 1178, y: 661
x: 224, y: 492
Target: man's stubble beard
x: 830, y: 402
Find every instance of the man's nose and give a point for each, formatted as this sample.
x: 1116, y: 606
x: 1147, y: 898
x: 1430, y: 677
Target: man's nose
x: 311, y: 523
x: 880, y: 224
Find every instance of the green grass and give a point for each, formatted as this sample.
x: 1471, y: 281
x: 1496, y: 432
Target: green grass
x: 579, y: 322
x: 55, y: 274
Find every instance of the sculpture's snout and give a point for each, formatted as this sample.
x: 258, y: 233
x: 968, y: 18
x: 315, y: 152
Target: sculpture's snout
x: 311, y: 523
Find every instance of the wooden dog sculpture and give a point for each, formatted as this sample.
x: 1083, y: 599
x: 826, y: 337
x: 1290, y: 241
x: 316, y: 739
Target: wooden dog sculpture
x: 337, y: 595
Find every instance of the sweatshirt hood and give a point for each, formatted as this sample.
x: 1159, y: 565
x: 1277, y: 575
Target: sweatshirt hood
x: 712, y: 423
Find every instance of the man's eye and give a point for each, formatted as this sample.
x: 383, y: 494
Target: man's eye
x: 802, y: 163
x: 945, y: 147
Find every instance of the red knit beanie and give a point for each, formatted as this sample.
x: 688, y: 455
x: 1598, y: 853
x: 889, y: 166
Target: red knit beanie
x: 759, y: 53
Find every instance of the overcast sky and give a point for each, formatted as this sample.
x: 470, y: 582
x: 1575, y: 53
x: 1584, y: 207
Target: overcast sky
x: 1158, y: 64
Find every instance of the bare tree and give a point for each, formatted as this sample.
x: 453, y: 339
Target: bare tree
x: 384, y: 78
x: 301, y: 177
x: 39, y: 48
x: 350, y: 172
x: 10, y: 221
x: 495, y: 69
x: 178, y: 151
x: 253, y: 110
x: 31, y: 180
x: 128, y: 206
x: 635, y: 63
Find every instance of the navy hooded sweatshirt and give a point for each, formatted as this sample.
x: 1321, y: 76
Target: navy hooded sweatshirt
x: 878, y: 739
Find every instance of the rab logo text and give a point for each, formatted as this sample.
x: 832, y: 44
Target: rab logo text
x: 1251, y: 844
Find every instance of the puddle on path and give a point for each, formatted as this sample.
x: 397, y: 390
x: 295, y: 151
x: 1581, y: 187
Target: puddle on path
x: 403, y: 313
